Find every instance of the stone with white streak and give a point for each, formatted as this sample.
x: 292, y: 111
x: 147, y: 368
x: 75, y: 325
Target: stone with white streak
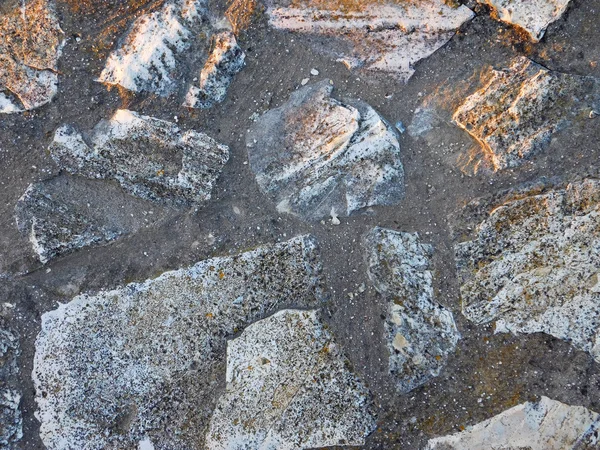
x: 152, y: 159
x: 318, y: 157
x: 225, y: 60
x: 140, y: 366
x: 30, y: 44
x: 289, y: 388
x: 160, y: 45
x: 64, y: 214
x: 533, y: 16
x: 419, y: 332
x: 514, y: 114
x: 388, y: 37
x: 544, y: 425
x: 533, y: 266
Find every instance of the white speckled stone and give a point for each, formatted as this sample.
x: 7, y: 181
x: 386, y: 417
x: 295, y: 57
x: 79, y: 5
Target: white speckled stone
x: 289, y: 388
x: 544, y: 425
x: 420, y: 334
x: 141, y: 365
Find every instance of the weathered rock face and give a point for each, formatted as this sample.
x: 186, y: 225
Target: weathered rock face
x: 150, y: 158
x: 289, y: 388
x: 419, y: 332
x: 544, y: 425
x: 533, y: 16
x: 64, y: 214
x: 30, y: 45
x: 11, y: 423
x: 316, y: 156
x: 154, y: 54
x: 514, y: 115
x: 225, y: 60
x: 533, y: 266
x: 386, y: 37
x: 142, y: 363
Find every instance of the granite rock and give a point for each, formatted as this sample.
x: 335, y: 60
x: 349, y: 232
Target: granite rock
x: 316, y: 156
x: 514, y: 114
x: 420, y: 334
x: 289, y: 388
x: 544, y: 425
x: 532, y: 266
x: 11, y: 422
x: 31, y: 41
x: 141, y: 365
x: 150, y: 158
x: 387, y: 37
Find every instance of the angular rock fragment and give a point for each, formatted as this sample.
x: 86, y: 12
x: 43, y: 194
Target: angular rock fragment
x: 150, y: 158
x: 419, y: 332
x: 30, y: 45
x: 388, y: 37
x: 140, y: 365
x: 288, y: 388
x: 514, y: 115
x: 225, y: 60
x: 316, y: 156
x: 544, y: 425
x: 533, y: 16
x: 11, y: 422
x: 533, y: 266
x: 63, y: 214
x: 159, y: 46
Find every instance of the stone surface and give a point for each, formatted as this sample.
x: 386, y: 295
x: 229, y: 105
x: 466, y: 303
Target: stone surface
x: 141, y: 364
x: 161, y: 45
x: 62, y: 215
x: 150, y: 158
x: 225, y: 60
x: 388, y: 37
x: 420, y: 334
x: 544, y: 425
x: 515, y: 113
x: 30, y: 45
x: 288, y: 388
x: 318, y: 157
x: 533, y: 16
x: 532, y: 266
x: 11, y: 422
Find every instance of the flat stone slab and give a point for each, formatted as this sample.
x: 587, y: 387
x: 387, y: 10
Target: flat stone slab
x: 289, y: 388
x: 386, y: 37
x: 158, y: 49
x: 533, y: 16
x: 316, y: 156
x: 140, y: 366
x: 11, y: 421
x: 30, y: 45
x: 65, y: 214
x: 420, y: 334
x: 514, y: 114
x: 544, y: 425
x: 150, y: 158
x: 531, y: 266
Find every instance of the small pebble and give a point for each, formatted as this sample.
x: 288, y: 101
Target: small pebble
x: 314, y: 72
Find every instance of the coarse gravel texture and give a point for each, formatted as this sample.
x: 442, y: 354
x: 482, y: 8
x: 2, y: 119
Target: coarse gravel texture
x: 487, y: 374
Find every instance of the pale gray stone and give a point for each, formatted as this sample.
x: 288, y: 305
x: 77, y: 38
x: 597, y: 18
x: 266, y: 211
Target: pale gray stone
x: 420, y: 333
x: 289, y: 388
x: 381, y: 37
x: 142, y: 364
x: 544, y: 425
x: 533, y: 266
x: 151, y: 158
x: 318, y: 157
